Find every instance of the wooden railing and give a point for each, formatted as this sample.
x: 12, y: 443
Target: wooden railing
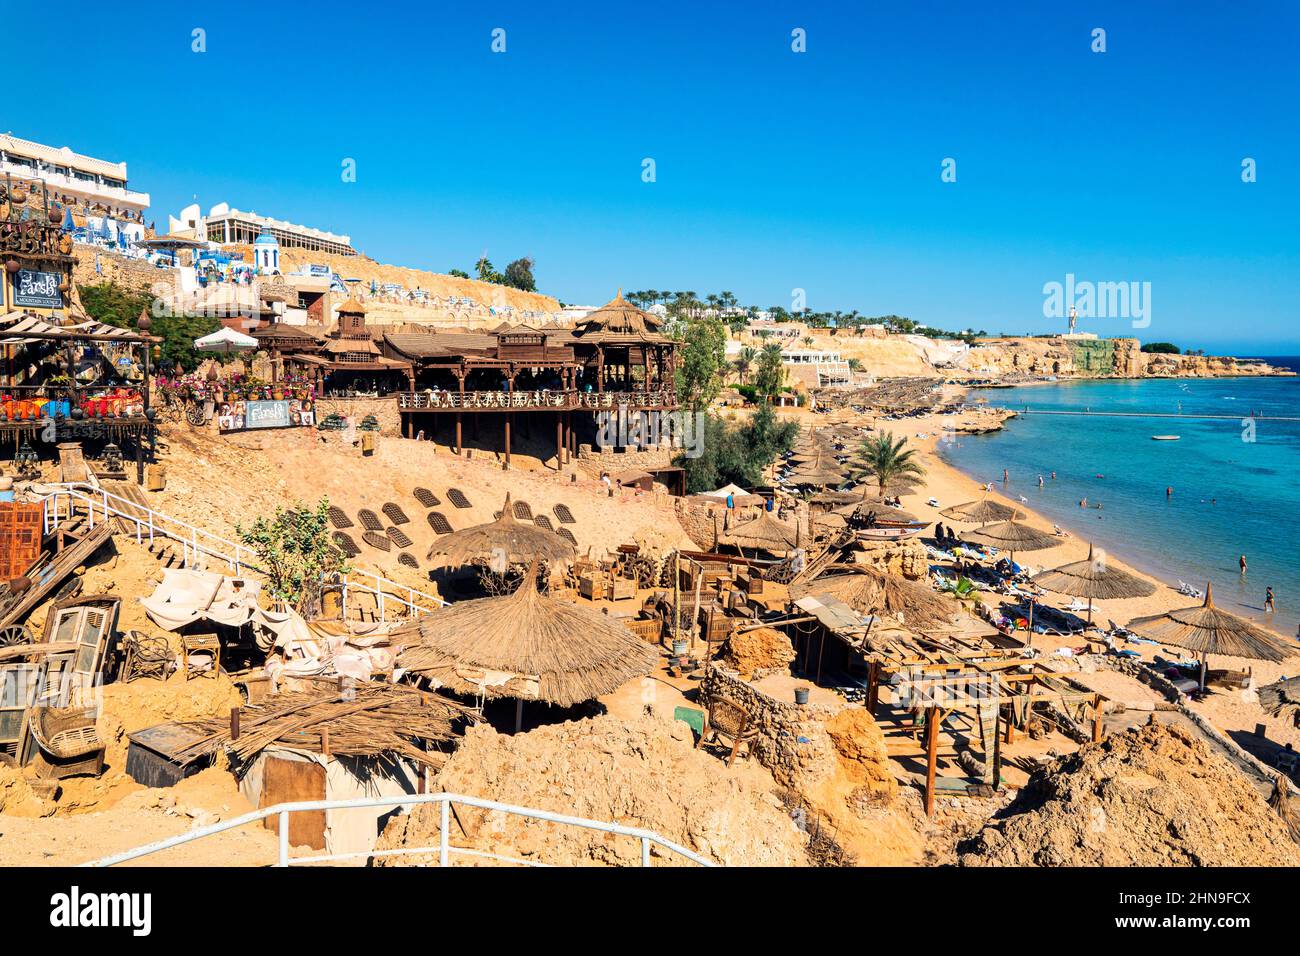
x: 525, y: 399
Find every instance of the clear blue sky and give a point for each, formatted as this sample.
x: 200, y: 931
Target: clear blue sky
x: 775, y: 170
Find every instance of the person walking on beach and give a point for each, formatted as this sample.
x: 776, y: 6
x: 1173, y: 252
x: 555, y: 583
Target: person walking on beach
x: 1242, y: 561
x: 1269, y: 606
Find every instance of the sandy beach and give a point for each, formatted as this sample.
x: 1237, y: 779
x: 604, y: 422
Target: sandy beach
x: 1234, y: 712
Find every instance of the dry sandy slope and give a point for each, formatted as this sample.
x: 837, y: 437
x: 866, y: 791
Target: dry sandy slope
x: 1150, y: 796
x: 216, y: 482
x: 640, y: 772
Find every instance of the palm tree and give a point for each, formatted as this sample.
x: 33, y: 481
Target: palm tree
x: 887, y: 459
x: 745, y: 360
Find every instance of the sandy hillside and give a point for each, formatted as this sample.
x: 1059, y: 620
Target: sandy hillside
x: 640, y: 772
x: 216, y: 482
x: 1150, y: 796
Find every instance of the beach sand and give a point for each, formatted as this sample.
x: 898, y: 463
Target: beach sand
x: 1236, y: 713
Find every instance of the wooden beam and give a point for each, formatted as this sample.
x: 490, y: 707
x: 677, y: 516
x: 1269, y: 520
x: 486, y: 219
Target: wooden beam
x: 931, y: 755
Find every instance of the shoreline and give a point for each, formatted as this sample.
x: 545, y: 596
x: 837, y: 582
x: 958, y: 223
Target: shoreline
x: 1231, y: 713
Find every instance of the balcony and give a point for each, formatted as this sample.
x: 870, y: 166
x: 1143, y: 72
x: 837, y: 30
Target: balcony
x: 61, y: 183
x: 439, y: 400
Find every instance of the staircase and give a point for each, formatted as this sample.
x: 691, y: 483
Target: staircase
x: 76, y: 506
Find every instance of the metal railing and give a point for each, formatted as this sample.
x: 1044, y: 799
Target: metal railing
x: 197, y: 545
x: 444, y: 849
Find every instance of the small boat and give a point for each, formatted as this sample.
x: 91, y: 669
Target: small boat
x: 1165, y: 437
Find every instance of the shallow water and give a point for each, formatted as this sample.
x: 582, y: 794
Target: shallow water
x: 1236, y: 484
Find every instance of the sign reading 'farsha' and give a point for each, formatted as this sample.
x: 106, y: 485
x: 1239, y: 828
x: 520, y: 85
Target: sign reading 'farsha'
x: 39, y: 290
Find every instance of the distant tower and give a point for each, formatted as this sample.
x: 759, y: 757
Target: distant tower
x: 1074, y: 319
x: 266, y: 254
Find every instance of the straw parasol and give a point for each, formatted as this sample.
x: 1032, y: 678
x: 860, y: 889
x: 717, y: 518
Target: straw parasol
x: 1013, y: 536
x: 764, y: 533
x: 1282, y: 698
x: 1094, y: 580
x: 1205, y: 629
x: 504, y: 540
x: 982, y: 511
x: 525, y: 645
x: 870, y: 591
x: 820, y: 471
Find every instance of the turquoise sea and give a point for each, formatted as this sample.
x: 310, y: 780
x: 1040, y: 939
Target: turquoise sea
x: 1236, y: 484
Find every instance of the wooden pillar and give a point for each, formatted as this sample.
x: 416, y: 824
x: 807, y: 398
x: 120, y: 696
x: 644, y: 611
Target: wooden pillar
x: 559, y: 441
x: 459, y: 447
x: 931, y: 755
x: 1096, y: 718
x: 873, y: 685
x: 507, y: 437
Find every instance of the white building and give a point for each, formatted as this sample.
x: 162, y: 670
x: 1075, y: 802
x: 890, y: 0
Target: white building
x: 224, y: 225
x: 86, y: 181
x: 266, y: 254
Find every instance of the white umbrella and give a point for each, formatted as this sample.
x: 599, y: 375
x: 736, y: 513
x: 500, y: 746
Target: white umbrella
x: 225, y: 340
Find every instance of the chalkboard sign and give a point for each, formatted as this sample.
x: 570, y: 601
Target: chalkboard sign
x: 38, y: 290
x: 266, y: 415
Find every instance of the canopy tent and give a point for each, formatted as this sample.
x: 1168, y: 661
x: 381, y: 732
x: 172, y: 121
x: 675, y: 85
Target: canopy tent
x: 739, y: 495
x: 187, y: 595
x: 225, y: 340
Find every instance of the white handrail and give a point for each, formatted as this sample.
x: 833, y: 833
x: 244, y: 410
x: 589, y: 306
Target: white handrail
x: 647, y: 838
x: 195, y: 541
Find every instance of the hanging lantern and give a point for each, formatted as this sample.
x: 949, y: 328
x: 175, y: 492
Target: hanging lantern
x: 157, y: 352
x: 27, y: 461
x: 112, y: 458
x: 12, y: 266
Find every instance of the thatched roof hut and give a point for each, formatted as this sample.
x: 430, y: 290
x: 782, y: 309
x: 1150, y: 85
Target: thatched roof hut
x: 870, y: 591
x: 504, y: 540
x: 764, y: 533
x: 1282, y: 699
x: 525, y: 645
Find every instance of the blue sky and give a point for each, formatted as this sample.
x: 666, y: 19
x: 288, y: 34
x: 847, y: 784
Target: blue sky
x: 775, y: 170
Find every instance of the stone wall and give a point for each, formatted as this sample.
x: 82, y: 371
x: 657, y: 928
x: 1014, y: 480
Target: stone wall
x: 384, y: 409
x: 792, y: 740
x: 592, y: 462
x: 906, y: 558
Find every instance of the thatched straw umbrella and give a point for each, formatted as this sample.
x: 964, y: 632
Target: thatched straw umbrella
x: 1205, y: 629
x: 981, y: 512
x: 1094, y: 580
x: 524, y: 645
x: 501, y: 542
x: 870, y: 591
x: 1013, y: 536
x: 823, y: 470
x: 764, y: 533
x: 1282, y: 699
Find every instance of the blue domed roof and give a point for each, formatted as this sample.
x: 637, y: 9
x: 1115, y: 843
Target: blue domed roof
x: 266, y: 239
